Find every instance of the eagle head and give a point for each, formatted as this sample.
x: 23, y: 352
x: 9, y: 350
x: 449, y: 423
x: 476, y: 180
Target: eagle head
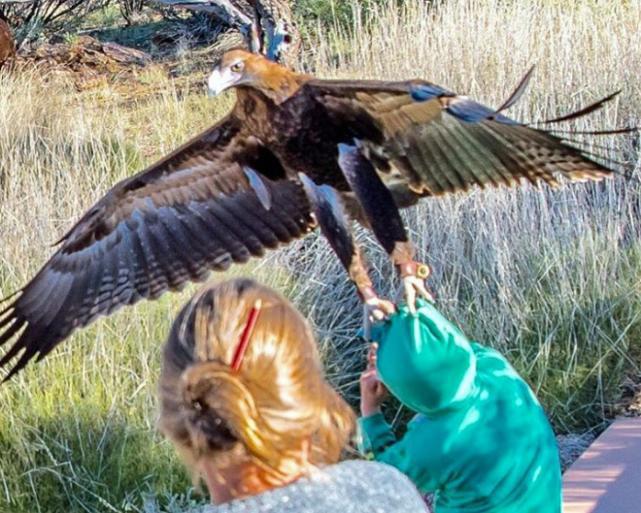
x: 240, y: 68
x: 235, y: 68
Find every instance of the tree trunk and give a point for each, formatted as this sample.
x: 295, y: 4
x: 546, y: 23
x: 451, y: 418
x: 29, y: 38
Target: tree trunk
x: 282, y: 38
x: 267, y: 25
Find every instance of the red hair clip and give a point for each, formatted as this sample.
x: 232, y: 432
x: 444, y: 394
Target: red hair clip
x: 237, y: 360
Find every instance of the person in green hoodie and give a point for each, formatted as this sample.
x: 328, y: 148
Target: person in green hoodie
x: 481, y: 441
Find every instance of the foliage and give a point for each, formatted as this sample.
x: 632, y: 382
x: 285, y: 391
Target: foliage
x: 329, y: 12
x: 324, y: 11
x: 31, y: 17
x: 129, y: 8
x: 316, y: 16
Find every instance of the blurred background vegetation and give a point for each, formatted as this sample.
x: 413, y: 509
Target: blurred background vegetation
x: 549, y: 277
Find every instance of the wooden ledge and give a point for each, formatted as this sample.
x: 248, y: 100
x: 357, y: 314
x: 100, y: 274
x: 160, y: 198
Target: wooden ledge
x: 607, y: 477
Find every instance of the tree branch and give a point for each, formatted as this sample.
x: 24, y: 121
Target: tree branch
x: 222, y: 9
x: 266, y: 25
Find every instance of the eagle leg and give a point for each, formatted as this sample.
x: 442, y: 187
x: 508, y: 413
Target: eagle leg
x: 413, y: 274
x: 330, y: 214
x: 382, y: 213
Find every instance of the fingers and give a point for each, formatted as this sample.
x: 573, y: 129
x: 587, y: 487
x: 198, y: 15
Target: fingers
x: 372, y: 355
x: 369, y: 382
x: 381, y: 389
x: 368, y: 374
x: 371, y: 385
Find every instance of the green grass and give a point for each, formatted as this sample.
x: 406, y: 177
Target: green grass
x: 549, y: 277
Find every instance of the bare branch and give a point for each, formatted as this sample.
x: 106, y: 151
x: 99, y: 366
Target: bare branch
x: 225, y: 10
x: 222, y: 9
x: 267, y: 25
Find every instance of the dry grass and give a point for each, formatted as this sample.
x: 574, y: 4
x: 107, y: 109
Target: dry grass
x: 551, y: 278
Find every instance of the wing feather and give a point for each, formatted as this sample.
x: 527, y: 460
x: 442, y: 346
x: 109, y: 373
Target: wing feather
x: 437, y: 161
x: 482, y: 159
x: 470, y: 162
x: 191, y: 213
x: 453, y: 167
x: 442, y: 143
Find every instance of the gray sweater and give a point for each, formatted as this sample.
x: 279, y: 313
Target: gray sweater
x: 348, y: 487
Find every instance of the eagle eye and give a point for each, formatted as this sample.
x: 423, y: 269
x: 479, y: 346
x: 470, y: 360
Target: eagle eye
x: 237, y: 67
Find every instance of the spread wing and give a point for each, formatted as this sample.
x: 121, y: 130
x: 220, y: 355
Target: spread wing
x: 199, y: 209
x: 435, y: 142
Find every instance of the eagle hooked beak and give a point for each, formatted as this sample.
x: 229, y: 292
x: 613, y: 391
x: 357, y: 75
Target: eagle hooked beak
x: 221, y: 80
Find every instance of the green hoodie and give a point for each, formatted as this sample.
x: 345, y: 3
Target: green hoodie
x: 481, y: 440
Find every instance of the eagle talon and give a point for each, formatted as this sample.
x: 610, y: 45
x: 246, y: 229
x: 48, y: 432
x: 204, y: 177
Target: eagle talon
x: 414, y: 275
x: 375, y: 310
x: 379, y: 309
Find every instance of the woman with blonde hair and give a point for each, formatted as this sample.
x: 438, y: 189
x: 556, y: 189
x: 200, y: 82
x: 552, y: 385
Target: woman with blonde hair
x: 245, y: 402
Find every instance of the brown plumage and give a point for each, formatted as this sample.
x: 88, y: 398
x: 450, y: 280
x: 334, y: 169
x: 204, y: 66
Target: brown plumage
x: 235, y: 191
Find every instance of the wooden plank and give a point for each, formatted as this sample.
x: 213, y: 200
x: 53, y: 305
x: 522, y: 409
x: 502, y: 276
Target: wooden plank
x: 607, y: 477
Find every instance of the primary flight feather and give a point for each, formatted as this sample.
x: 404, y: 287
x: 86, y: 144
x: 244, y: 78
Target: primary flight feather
x: 295, y: 152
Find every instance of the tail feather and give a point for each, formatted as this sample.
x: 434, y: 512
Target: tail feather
x: 582, y: 112
x: 517, y: 93
x: 586, y: 144
x: 614, y: 131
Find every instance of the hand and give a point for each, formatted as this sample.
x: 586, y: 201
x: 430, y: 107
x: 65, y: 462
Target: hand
x: 373, y: 391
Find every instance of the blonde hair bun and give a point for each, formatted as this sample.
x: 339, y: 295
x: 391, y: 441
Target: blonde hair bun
x: 209, y: 429
x: 276, y: 403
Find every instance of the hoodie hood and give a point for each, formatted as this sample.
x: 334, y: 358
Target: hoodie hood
x: 424, y: 361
